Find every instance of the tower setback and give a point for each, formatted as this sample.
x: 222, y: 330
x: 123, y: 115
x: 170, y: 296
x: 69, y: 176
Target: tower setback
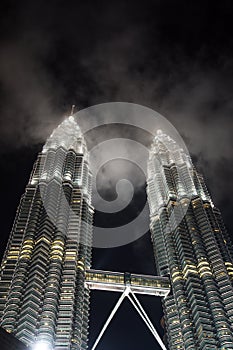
x: 43, y: 301
x: 45, y: 275
x: 192, y: 247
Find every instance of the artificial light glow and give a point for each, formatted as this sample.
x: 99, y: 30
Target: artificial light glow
x: 42, y: 345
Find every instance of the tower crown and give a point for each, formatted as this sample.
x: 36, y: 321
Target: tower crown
x: 67, y: 135
x: 168, y: 150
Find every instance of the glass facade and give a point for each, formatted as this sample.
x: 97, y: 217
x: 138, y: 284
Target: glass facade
x: 118, y: 281
x: 43, y: 299
x: 192, y: 247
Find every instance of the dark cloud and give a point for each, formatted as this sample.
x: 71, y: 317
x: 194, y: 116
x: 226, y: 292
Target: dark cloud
x: 172, y: 56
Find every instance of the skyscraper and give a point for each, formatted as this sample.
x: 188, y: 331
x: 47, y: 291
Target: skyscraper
x: 192, y: 247
x: 43, y: 301
x: 45, y: 272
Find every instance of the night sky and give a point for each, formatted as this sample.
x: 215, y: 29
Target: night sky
x: 172, y: 56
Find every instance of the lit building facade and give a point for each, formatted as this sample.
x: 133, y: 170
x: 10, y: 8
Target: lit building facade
x: 45, y: 275
x: 192, y: 247
x: 43, y: 299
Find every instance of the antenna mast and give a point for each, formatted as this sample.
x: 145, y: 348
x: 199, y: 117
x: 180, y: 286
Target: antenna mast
x: 72, y: 110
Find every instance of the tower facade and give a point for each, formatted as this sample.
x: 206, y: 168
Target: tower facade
x: 43, y: 300
x: 192, y: 247
x: 45, y: 273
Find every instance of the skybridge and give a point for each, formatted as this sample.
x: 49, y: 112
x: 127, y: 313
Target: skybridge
x: 128, y: 284
x: 118, y: 281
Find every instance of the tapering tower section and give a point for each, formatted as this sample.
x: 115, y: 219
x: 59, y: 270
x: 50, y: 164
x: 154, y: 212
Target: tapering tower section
x: 192, y: 247
x: 43, y: 300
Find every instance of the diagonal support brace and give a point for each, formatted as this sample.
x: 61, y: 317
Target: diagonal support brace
x: 122, y: 297
x: 135, y: 302
x: 146, y: 319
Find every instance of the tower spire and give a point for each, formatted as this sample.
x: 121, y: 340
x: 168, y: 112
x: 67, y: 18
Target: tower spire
x: 72, y: 110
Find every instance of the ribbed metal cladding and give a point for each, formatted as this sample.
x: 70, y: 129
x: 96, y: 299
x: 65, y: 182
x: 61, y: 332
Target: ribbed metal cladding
x: 42, y: 293
x: 192, y: 247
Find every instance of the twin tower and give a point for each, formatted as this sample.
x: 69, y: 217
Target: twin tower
x: 45, y: 276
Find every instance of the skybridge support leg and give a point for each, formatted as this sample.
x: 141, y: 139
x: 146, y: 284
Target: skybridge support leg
x: 146, y: 319
x: 135, y: 302
x: 122, y: 297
